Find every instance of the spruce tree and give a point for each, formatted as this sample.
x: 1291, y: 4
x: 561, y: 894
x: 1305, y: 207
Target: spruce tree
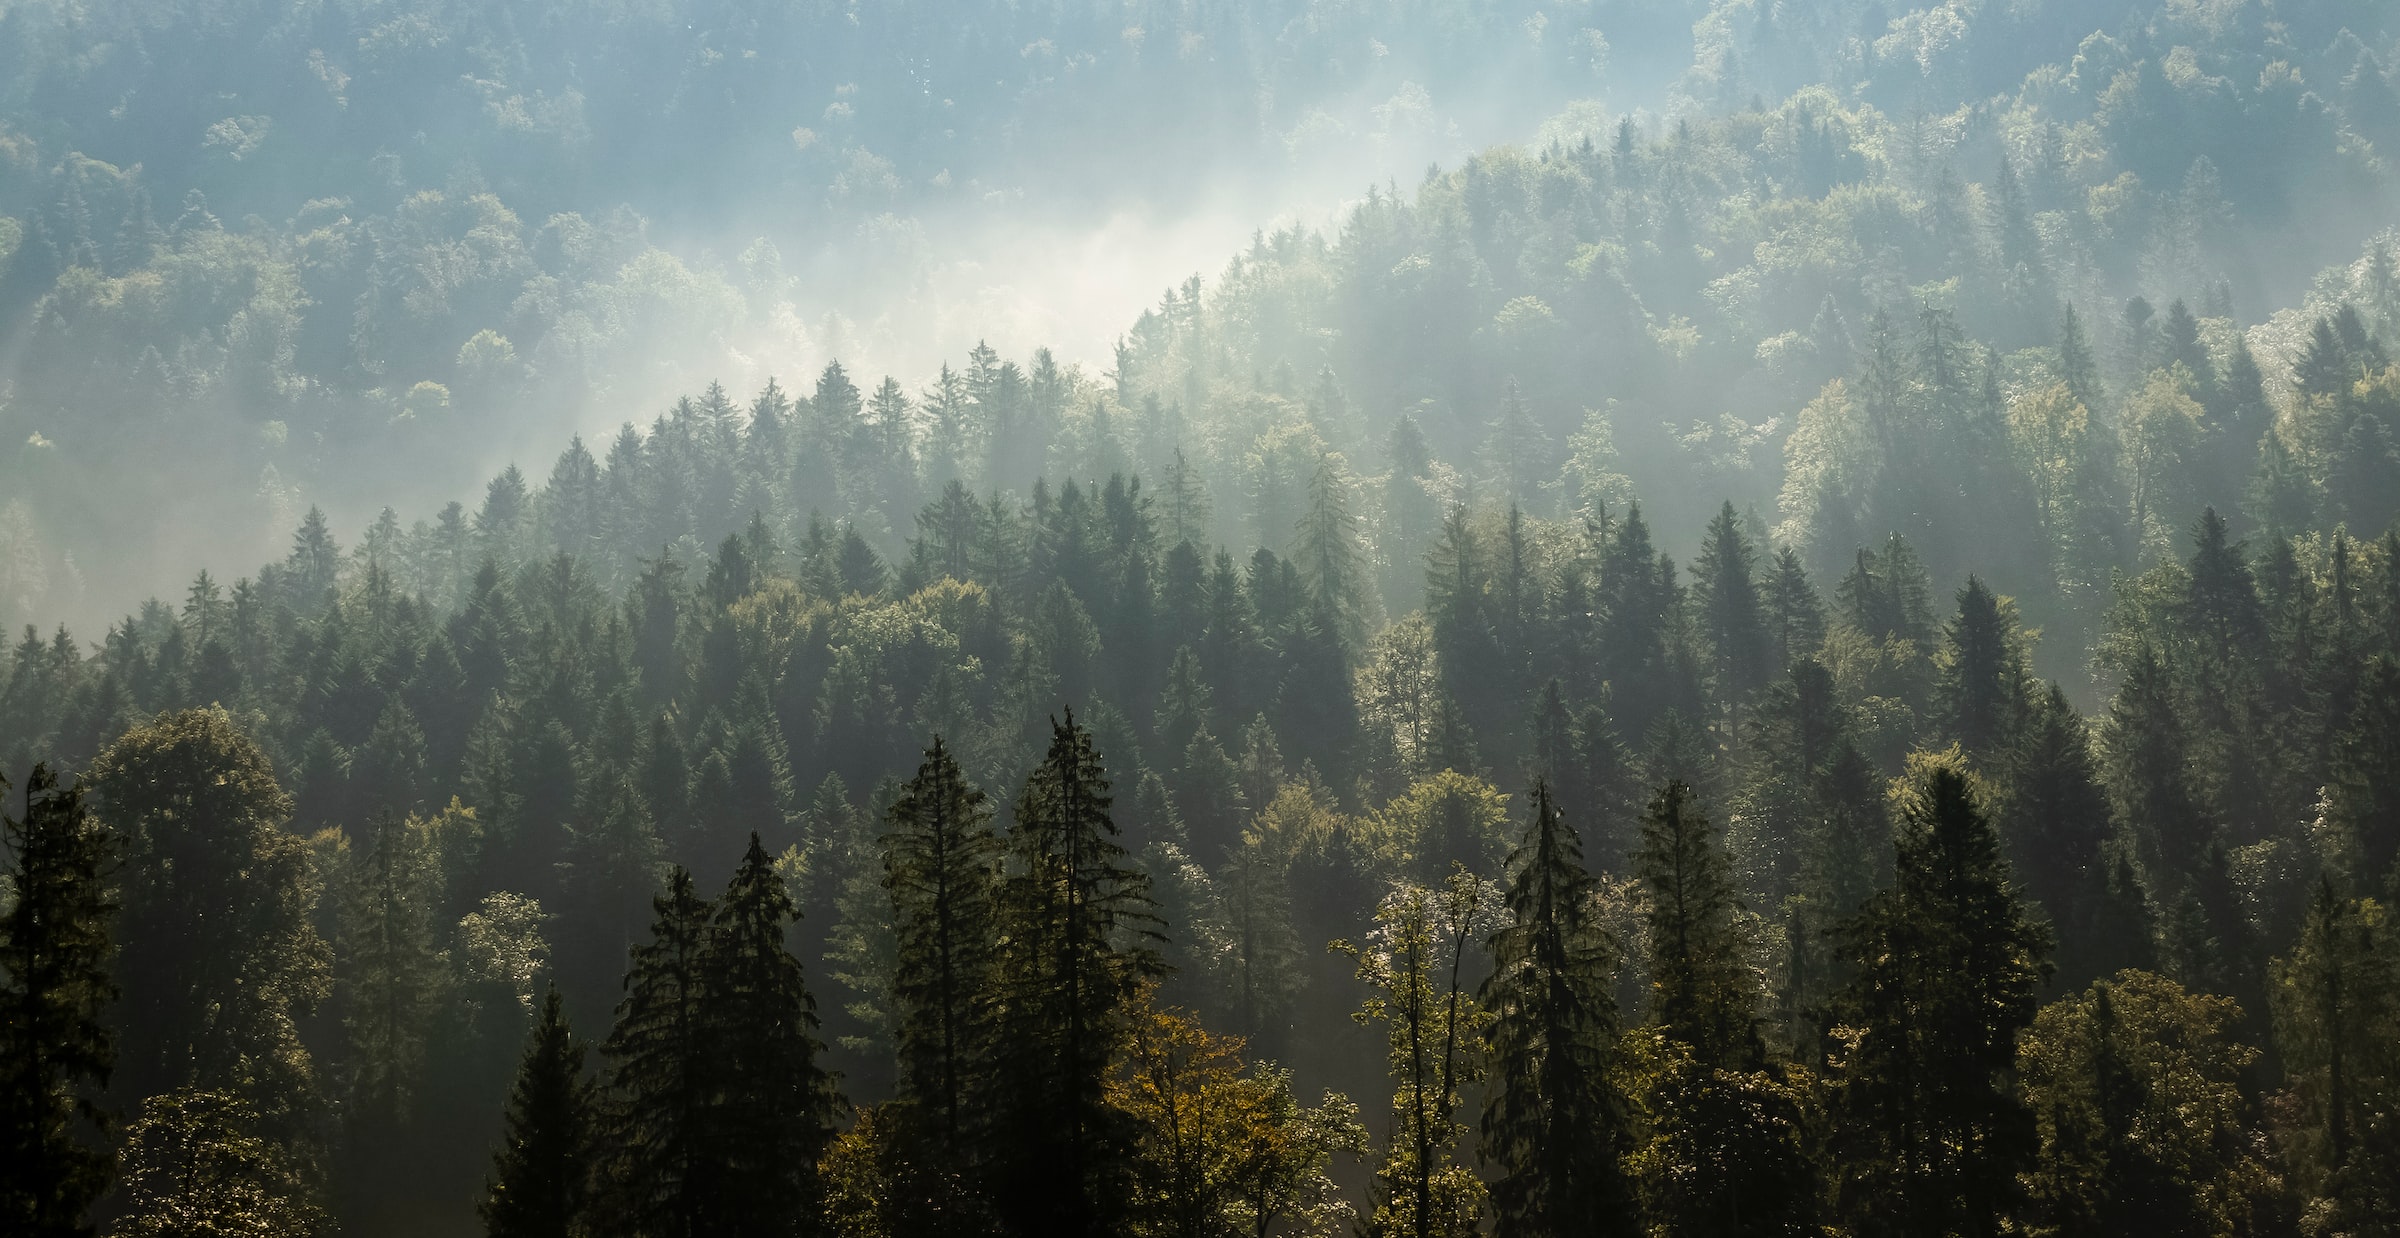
x: 1732, y: 620
x: 1700, y: 988
x: 2055, y: 822
x: 1720, y: 1146
x: 941, y: 867
x: 663, y: 1180
x: 771, y: 1102
x: 1075, y: 915
x: 56, y: 1047
x: 2336, y: 1002
x: 1979, y: 694
x: 1553, y: 1121
x: 389, y: 976
x: 1930, y: 1133
x: 540, y: 1182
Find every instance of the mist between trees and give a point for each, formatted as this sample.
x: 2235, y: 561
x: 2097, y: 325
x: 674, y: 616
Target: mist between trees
x: 1818, y: 662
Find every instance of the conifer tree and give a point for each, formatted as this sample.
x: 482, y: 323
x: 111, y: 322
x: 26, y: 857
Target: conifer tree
x: 1731, y: 616
x: 1931, y: 1134
x: 1794, y: 614
x: 1075, y: 917
x: 1980, y: 690
x: 540, y: 1182
x: 662, y: 1179
x: 56, y: 1047
x: 1700, y: 989
x: 389, y: 975
x: 1720, y: 1151
x: 1553, y: 1121
x: 770, y: 1101
x: 2055, y: 824
x: 2336, y: 1002
x: 1252, y: 949
x: 941, y: 866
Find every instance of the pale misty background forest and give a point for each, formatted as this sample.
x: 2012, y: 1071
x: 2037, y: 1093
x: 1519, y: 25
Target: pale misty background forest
x: 636, y: 618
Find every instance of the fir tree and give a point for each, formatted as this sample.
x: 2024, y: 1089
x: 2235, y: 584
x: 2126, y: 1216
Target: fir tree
x: 1700, y: 991
x: 389, y: 975
x: 1720, y: 1153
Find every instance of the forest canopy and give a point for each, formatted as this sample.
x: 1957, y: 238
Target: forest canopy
x: 1812, y: 645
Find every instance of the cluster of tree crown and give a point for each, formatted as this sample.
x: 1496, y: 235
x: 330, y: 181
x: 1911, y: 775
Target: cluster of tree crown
x: 1668, y: 289
x: 1827, y: 1009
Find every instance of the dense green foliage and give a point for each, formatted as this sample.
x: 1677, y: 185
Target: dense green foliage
x: 1827, y: 660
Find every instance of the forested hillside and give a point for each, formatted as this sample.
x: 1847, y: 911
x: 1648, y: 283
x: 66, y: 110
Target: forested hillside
x: 1824, y: 658
x: 383, y: 243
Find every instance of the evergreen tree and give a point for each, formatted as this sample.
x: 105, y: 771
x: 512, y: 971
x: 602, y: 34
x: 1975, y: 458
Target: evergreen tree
x: 662, y: 1180
x: 2337, y: 1023
x: 1731, y: 616
x: 1553, y: 1121
x: 1700, y: 991
x: 1981, y: 686
x: 941, y: 866
x: 1931, y: 1135
x: 1720, y: 1150
x: 2055, y: 824
x: 1794, y: 614
x: 540, y: 1181
x: 770, y: 1101
x: 56, y: 1047
x: 388, y: 974
x: 1253, y: 951
x: 1075, y: 917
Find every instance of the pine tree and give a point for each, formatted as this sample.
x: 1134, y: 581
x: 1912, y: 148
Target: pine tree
x: 1554, y: 1121
x: 1931, y: 1135
x: 1252, y: 949
x: 540, y: 1182
x: 56, y: 1048
x: 770, y: 1101
x: 1074, y: 914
